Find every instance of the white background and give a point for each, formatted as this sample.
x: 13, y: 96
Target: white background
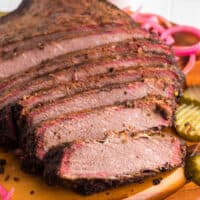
x: 180, y: 11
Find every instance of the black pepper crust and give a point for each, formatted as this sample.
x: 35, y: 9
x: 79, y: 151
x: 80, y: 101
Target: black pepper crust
x: 32, y: 165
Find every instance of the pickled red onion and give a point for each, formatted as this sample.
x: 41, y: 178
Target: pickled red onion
x: 190, y: 64
x: 187, y: 50
x: 154, y: 23
x: 185, y: 29
x: 4, y: 194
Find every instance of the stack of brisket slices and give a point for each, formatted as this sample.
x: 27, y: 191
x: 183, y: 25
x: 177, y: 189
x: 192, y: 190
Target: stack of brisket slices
x: 85, y: 93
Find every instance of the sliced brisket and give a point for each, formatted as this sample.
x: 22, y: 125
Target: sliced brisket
x: 100, y: 97
x: 105, y: 66
x: 79, y: 72
x: 45, y: 104
x: 9, y: 99
x: 93, y: 166
x: 86, y: 83
x: 136, y: 116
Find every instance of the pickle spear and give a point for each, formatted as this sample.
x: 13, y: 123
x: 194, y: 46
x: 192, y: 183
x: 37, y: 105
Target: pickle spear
x: 192, y: 168
x: 187, y: 122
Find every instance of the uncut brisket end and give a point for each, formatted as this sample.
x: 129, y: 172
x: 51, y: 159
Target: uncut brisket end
x: 138, y: 115
x: 90, y: 12
x: 93, y: 166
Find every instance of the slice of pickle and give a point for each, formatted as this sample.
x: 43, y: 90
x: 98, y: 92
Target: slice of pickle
x: 192, y: 168
x: 187, y: 122
x: 192, y: 95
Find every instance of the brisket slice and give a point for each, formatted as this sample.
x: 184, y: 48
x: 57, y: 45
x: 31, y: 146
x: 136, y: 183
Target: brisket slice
x: 100, y: 97
x: 138, y: 115
x: 93, y: 166
x: 114, y: 51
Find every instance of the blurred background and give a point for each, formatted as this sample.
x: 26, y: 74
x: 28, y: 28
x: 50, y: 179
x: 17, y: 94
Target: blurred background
x: 180, y: 11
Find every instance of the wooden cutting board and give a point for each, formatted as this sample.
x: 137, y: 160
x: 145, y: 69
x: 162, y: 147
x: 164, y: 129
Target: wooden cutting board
x: 31, y: 187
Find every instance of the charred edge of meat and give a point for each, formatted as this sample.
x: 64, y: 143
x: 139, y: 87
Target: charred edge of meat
x: 56, y: 154
x: 162, y: 111
x: 88, y: 187
x: 181, y: 77
x: 7, y: 129
x: 30, y: 162
x: 32, y: 165
x: 15, y: 116
x: 23, y: 7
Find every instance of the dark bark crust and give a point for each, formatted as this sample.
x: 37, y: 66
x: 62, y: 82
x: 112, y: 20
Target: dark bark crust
x: 27, y: 4
x: 7, y: 129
